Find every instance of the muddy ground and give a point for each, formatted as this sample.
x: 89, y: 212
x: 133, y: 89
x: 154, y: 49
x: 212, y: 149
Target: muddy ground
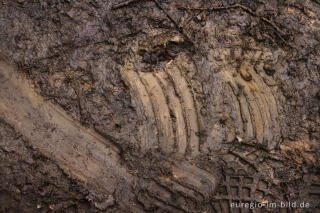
x: 205, y: 102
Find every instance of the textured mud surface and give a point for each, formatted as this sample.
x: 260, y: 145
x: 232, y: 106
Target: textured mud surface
x: 202, y: 104
x: 30, y: 182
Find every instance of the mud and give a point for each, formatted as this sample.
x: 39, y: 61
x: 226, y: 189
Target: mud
x: 199, y: 103
x: 30, y: 182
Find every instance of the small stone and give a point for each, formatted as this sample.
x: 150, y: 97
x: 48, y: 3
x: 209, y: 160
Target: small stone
x: 269, y: 69
x: 245, y: 75
x: 104, y: 205
x: 73, y: 64
x: 239, y: 139
x: 244, y: 72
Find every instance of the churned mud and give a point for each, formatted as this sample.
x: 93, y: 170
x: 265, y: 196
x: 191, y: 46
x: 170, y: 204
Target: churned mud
x: 159, y: 106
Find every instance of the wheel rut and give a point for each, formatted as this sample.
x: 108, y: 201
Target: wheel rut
x: 167, y: 90
x: 256, y: 105
x: 176, y: 108
x: 94, y: 160
x: 79, y: 151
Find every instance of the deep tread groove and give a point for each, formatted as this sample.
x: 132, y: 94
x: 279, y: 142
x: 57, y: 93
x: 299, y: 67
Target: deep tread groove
x: 237, y: 109
x: 258, y: 111
x: 188, y: 103
x: 195, y: 104
x: 176, y: 108
x: 162, y: 113
x: 150, y: 137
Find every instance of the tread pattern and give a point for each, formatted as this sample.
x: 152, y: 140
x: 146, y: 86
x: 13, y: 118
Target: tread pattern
x: 255, y: 105
x: 311, y: 190
x: 166, y: 100
x: 161, y: 109
x: 239, y: 186
x: 80, y: 152
x: 94, y: 160
x: 144, y: 107
x: 183, y: 188
x: 177, y: 110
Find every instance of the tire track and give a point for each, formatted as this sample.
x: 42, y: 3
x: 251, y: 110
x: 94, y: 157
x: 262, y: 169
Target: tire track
x: 141, y: 97
x: 257, y: 107
x: 271, y: 105
x: 91, y: 158
x: 189, y: 109
x: 184, y: 68
x: 176, y: 108
x: 243, y: 105
x: 256, y: 114
x: 80, y: 152
x: 162, y: 113
x: 158, y: 94
x: 197, y: 179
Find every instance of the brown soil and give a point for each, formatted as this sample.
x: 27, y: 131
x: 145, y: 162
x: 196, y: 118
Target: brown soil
x: 158, y: 106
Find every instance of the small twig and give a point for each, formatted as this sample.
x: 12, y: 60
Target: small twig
x: 172, y: 20
x: 94, y: 4
x: 165, y: 12
x: 246, y: 9
x: 272, y: 24
x: 284, y: 41
x: 213, y: 8
x: 316, y: 1
x: 123, y: 4
x: 255, y: 145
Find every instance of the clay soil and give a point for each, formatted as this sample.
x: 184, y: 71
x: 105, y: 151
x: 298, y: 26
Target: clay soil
x: 159, y: 106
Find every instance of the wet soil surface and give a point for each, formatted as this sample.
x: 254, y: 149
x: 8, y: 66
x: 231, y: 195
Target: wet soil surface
x: 225, y: 91
x: 30, y: 182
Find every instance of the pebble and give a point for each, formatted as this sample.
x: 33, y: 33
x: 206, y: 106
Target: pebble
x: 104, y: 205
x: 245, y: 75
x: 269, y: 69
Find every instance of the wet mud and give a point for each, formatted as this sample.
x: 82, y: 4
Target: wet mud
x: 159, y: 106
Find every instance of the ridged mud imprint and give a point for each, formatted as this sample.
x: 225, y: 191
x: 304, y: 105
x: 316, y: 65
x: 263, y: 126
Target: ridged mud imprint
x: 240, y: 186
x: 255, y: 105
x: 80, y: 152
x: 311, y: 190
x: 165, y: 98
x: 237, y: 186
x: 184, y: 190
x: 166, y: 101
x: 94, y: 160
